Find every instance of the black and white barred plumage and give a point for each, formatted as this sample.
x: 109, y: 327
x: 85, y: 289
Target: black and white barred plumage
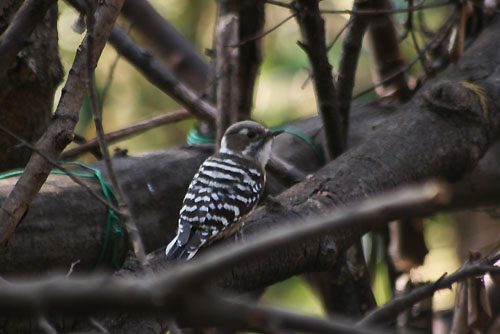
x: 227, y: 186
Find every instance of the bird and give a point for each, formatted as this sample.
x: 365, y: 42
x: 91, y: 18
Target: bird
x: 227, y: 186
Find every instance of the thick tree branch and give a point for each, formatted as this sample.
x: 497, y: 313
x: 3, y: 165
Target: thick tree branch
x: 166, y: 297
x: 30, y: 77
x: 60, y: 132
x: 171, y: 291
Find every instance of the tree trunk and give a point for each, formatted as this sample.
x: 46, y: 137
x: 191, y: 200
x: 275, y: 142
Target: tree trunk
x: 27, y: 93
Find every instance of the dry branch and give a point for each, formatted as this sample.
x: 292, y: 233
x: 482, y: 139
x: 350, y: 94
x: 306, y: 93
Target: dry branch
x: 164, y: 297
x: 178, y: 53
x: 60, y: 132
x: 133, y: 130
x: 123, y: 201
x: 160, y: 76
x: 391, y: 309
x: 351, y: 49
x: 160, y: 35
x: 374, y: 12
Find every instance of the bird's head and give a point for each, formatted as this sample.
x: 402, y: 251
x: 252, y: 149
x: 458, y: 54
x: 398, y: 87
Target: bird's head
x: 249, y: 139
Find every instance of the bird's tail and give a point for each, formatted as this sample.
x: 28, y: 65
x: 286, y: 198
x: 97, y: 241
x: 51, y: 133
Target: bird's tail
x: 178, y: 252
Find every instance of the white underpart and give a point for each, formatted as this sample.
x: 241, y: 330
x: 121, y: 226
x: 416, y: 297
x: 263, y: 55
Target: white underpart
x: 264, y: 154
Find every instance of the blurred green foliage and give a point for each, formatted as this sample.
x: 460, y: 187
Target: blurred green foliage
x: 294, y: 295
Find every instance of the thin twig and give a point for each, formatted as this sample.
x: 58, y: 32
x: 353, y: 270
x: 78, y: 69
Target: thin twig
x: 388, y: 311
x: 267, y: 32
x: 422, y: 58
x: 71, y: 268
x: 111, y: 73
x: 61, y: 168
x: 133, y: 130
x: 438, y: 37
x: 373, y: 12
x: 341, y: 31
x: 135, y: 237
x: 279, y: 4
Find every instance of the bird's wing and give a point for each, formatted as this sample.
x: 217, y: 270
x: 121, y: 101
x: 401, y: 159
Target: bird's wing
x: 221, y: 193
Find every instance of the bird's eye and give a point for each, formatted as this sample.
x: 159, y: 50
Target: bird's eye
x: 251, y: 134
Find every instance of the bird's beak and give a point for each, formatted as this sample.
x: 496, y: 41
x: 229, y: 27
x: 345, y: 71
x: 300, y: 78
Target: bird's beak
x: 273, y: 133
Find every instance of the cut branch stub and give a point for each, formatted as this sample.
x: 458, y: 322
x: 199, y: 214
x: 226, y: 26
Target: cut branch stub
x: 452, y: 99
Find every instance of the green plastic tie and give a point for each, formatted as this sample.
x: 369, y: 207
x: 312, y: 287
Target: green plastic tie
x: 113, y: 222
x: 195, y: 137
x: 307, y: 139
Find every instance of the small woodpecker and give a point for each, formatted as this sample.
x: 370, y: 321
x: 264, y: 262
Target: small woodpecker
x: 227, y: 186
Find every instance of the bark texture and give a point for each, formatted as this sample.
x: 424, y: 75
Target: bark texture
x: 28, y: 89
